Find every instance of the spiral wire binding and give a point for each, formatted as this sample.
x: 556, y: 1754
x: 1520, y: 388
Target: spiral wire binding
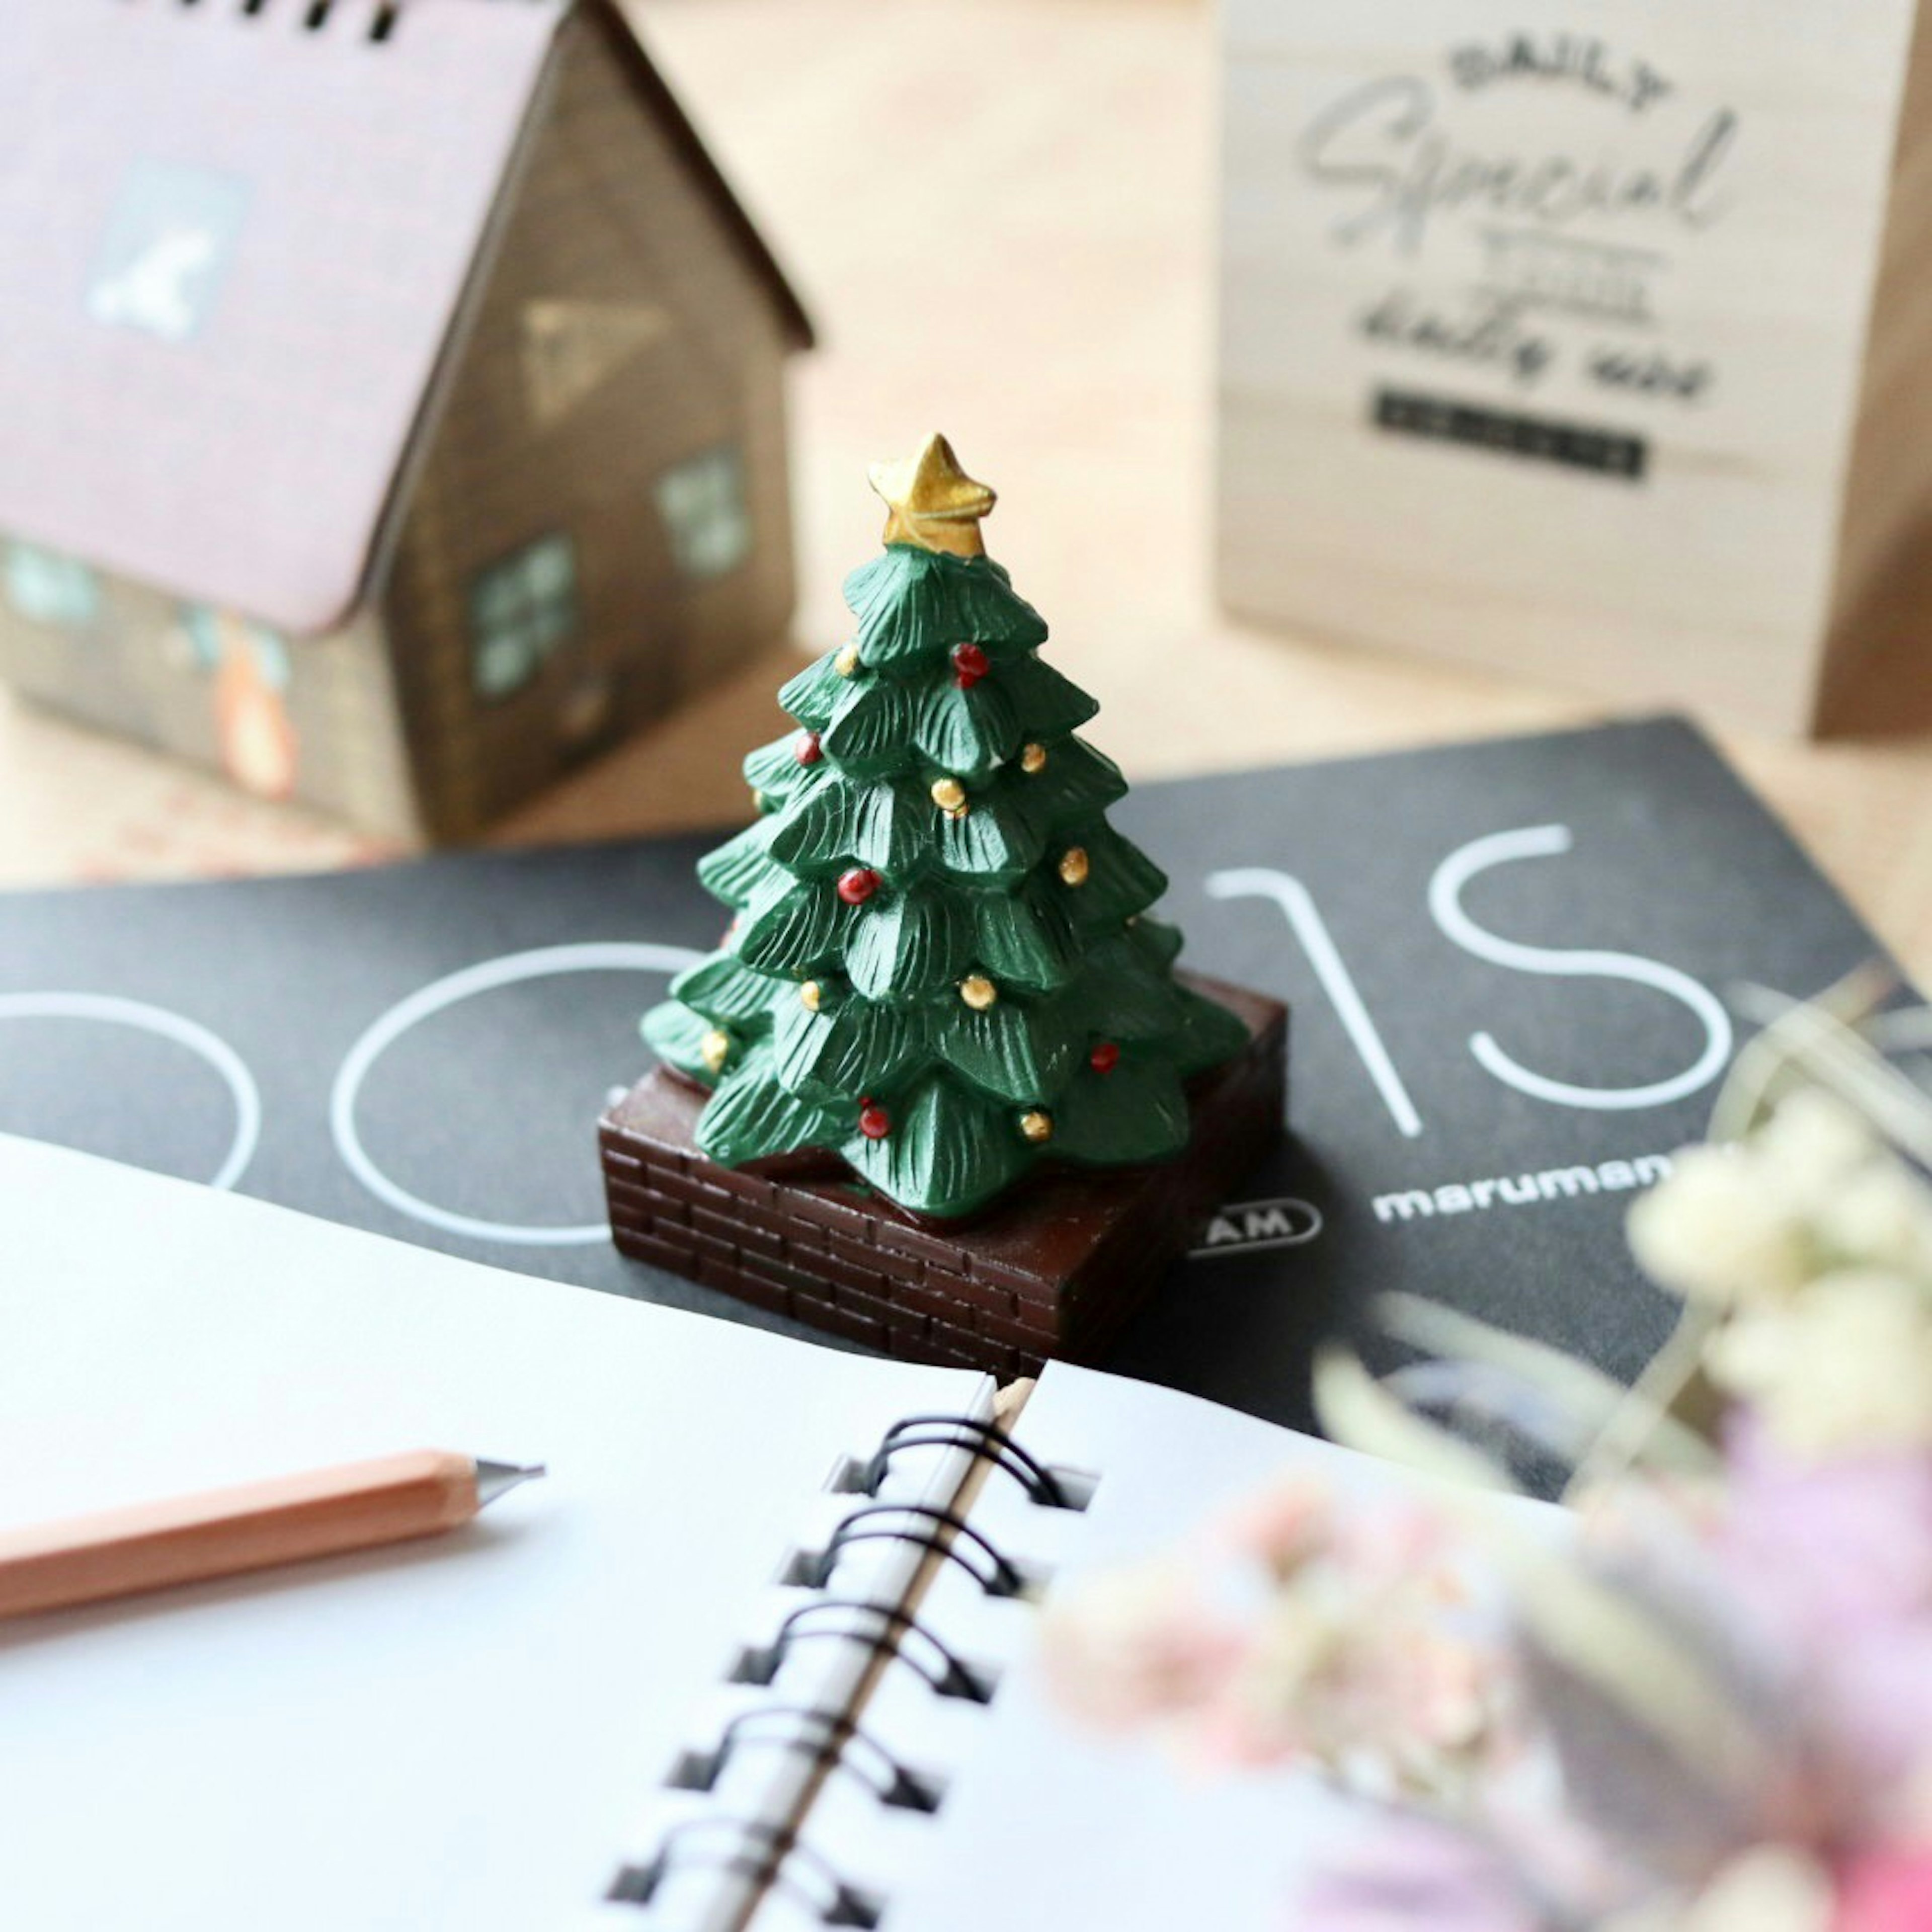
x: 952, y: 1677
x: 775, y: 1855
x: 989, y: 1443
x: 765, y: 1853
x: 999, y: 1579
x: 826, y: 1736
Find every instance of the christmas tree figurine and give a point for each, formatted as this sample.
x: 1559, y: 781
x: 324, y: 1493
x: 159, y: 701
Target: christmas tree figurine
x: 940, y: 981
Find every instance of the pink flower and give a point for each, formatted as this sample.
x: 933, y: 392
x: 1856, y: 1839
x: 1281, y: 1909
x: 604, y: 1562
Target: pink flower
x: 1864, y: 1523
x: 1304, y: 1629
x: 1419, y: 1877
x: 1283, y: 1527
x: 1834, y: 1560
x: 1139, y: 1646
x: 1886, y: 1890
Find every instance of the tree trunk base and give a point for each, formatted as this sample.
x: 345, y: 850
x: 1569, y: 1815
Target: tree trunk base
x: 1055, y: 1268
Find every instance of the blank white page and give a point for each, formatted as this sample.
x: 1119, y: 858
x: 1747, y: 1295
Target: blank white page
x: 1046, y: 1825
x: 458, y: 1733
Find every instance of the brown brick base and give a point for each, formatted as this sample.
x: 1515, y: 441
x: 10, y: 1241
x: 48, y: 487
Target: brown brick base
x: 1054, y: 1269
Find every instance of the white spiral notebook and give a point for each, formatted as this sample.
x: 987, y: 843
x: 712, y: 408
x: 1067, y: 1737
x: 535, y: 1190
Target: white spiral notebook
x: 677, y: 1685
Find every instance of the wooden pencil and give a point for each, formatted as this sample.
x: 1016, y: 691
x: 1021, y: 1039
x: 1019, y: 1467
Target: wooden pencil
x: 156, y: 1545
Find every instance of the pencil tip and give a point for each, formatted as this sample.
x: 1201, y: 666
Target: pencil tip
x: 497, y: 1479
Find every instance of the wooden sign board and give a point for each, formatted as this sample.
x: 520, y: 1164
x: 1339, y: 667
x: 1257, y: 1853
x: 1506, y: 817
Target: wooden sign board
x: 1594, y: 348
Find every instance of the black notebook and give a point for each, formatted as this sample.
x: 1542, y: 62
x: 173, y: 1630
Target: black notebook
x: 1508, y: 963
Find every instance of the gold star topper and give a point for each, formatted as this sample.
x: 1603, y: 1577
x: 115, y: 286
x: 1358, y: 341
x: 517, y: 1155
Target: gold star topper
x: 933, y: 503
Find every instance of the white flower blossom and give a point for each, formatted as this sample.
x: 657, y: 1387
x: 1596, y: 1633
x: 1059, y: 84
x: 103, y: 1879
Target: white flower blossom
x: 1881, y: 1217
x: 1812, y: 1146
x: 1721, y: 1228
x: 1813, y: 1240
x: 1845, y: 1366
x: 1771, y: 1888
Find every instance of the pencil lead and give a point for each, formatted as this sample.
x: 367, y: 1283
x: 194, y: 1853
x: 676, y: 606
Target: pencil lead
x: 496, y: 1479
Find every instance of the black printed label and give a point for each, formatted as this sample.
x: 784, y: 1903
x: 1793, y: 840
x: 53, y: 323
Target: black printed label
x: 1510, y: 432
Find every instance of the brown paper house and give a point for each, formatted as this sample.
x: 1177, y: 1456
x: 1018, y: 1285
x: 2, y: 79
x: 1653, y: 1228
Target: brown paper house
x: 391, y: 401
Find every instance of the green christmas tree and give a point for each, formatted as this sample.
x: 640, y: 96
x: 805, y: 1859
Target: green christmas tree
x: 939, y: 966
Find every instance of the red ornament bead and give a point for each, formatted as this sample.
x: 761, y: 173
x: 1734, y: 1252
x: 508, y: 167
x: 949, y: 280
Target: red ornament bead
x: 805, y: 749
x: 857, y: 886
x: 875, y: 1122
x: 971, y: 664
x: 1105, y: 1058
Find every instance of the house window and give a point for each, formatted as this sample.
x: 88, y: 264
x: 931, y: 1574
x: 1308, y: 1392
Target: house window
x: 204, y: 638
x: 702, y: 502
x: 200, y: 633
x: 520, y: 610
x: 47, y: 588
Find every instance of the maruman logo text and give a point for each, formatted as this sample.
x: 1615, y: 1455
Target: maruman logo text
x: 1523, y: 1190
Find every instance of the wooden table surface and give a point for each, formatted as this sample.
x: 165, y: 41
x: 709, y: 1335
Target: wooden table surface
x: 1000, y: 213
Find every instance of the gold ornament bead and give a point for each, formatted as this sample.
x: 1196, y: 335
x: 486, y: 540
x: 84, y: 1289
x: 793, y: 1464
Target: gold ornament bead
x: 715, y: 1049
x: 846, y: 663
x: 810, y: 995
x: 1034, y: 758
x: 1036, y: 1126
x: 1073, y: 865
x: 978, y: 992
x: 949, y: 795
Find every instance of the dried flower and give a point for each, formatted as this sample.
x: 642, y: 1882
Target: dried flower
x: 1887, y: 1890
x: 1719, y: 1230
x: 1301, y: 1631
x: 1145, y: 1645
x: 1768, y: 1889
x: 1812, y: 1191
x: 1833, y: 1561
x: 1843, y: 1368
x: 1814, y: 1242
x: 1812, y: 1145
x: 1881, y: 1216
x: 1727, y: 1676
x: 1420, y: 1875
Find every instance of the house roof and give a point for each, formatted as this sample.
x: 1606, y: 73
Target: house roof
x: 234, y: 236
